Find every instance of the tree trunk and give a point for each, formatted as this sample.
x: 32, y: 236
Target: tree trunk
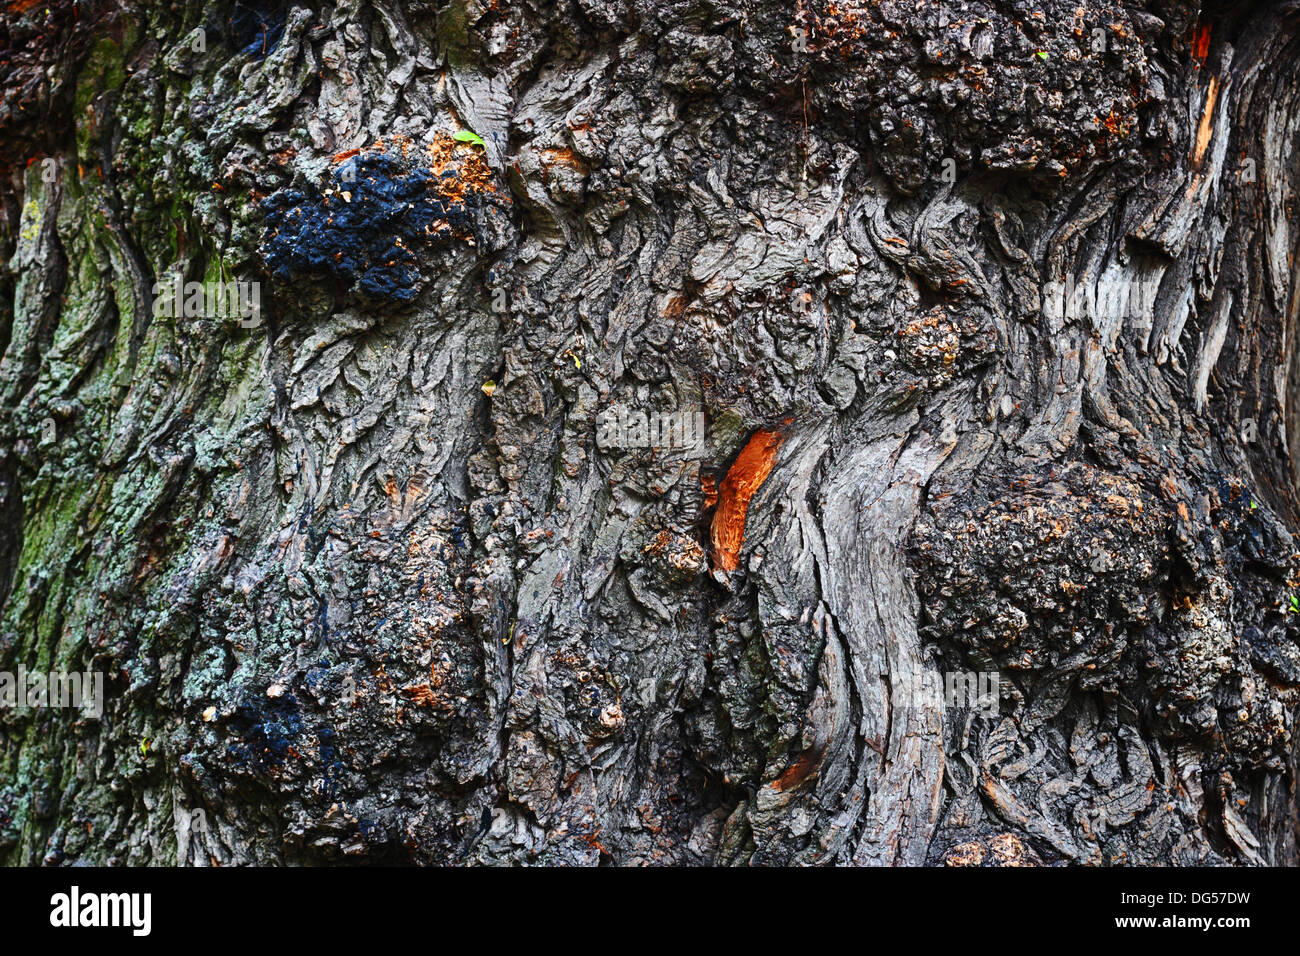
x: 418, y: 552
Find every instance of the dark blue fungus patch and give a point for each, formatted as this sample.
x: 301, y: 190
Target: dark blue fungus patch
x: 368, y: 240
x: 254, y: 28
x: 266, y: 732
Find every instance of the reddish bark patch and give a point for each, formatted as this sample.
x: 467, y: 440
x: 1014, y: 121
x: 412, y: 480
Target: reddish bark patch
x: 1201, y: 43
x: 709, y: 485
x: 799, y: 771
x: 423, y: 695
x: 563, y: 157
x: 746, y: 476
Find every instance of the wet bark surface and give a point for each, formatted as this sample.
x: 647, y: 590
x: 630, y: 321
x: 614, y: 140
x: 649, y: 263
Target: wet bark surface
x: 988, y: 308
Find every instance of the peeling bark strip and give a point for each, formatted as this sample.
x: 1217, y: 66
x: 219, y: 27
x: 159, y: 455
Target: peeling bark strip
x: 1020, y: 281
x: 745, y: 476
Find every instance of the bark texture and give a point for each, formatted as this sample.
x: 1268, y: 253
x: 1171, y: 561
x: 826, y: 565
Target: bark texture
x: 367, y: 588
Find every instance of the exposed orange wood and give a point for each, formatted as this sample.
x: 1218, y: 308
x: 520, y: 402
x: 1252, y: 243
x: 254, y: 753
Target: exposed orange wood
x: 1205, y: 128
x: 799, y: 771
x: 746, y: 476
x: 566, y: 157
x: 1201, y: 43
x: 709, y: 485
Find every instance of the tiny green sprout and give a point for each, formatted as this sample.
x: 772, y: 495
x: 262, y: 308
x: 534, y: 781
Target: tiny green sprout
x: 465, y: 136
x: 1252, y: 505
x: 1042, y: 54
x: 144, y: 743
x: 1295, y: 604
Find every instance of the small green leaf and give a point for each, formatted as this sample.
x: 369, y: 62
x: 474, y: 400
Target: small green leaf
x: 1295, y: 603
x: 465, y: 136
x: 1042, y: 54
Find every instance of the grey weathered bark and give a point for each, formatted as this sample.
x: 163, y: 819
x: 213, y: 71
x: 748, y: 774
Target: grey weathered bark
x: 364, y: 582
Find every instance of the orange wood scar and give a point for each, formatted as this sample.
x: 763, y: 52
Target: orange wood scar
x: 566, y: 157
x: 1206, y: 126
x: 799, y: 771
x: 746, y: 476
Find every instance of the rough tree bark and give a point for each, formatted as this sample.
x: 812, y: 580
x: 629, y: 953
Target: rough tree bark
x: 989, y: 306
